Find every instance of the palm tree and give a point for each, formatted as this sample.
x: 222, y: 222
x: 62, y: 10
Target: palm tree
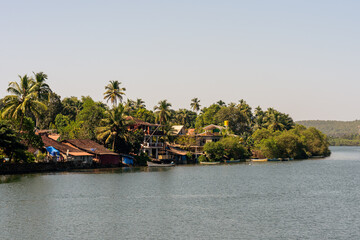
x: 114, y: 126
x: 277, y: 121
x: 140, y: 103
x: 114, y: 92
x: 221, y: 103
x: 195, y: 104
x: 24, y: 99
x: 163, y: 111
x: 182, y: 116
x: 42, y: 88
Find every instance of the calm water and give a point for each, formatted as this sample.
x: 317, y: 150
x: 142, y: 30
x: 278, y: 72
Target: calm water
x: 312, y: 199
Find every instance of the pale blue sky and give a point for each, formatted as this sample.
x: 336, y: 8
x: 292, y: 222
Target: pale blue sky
x: 300, y: 57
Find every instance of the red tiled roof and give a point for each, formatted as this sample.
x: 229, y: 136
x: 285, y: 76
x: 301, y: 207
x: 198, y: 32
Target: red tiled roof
x: 90, y: 146
x: 62, y: 147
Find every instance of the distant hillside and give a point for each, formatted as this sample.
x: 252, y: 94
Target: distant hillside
x: 334, y: 128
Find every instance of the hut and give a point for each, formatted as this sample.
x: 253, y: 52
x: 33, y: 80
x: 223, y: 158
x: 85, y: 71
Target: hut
x: 101, y: 154
x: 66, y: 153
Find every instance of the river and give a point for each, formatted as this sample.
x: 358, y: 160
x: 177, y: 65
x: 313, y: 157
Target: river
x: 309, y: 199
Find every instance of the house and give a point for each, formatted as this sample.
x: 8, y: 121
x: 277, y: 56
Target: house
x: 65, y: 152
x: 152, y: 134
x: 178, y: 130
x: 101, y: 154
x: 212, y: 133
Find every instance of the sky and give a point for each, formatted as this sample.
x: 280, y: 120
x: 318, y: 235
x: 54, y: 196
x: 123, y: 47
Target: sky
x: 299, y: 57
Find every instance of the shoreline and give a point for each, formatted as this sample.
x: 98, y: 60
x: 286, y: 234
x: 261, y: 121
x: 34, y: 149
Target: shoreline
x: 27, y: 168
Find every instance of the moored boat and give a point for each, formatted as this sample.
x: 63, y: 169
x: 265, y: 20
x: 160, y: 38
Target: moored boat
x: 233, y: 161
x: 274, y: 159
x: 153, y: 164
x: 209, y: 163
x: 259, y: 160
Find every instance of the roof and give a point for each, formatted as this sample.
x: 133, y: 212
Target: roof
x: 176, y: 129
x: 48, y: 142
x: 140, y: 122
x: 191, y: 131
x: 90, y: 146
x: 212, y: 126
x: 54, y: 136
x: 177, y: 151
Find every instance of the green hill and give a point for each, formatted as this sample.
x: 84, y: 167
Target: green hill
x: 337, y: 129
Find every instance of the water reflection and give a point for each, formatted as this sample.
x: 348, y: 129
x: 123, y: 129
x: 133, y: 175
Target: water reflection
x: 9, y: 178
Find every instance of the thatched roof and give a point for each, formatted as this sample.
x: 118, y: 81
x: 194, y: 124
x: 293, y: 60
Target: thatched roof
x: 90, y: 146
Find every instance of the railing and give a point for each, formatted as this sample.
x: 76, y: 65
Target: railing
x: 147, y: 144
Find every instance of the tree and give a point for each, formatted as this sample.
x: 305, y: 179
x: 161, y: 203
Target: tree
x: 71, y: 107
x: 195, y: 104
x: 90, y: 117
x: 233, y: 148
x: 207, y: 116
x: 238, y: 120
x: 162, y: 111
x: 214, y: 151
x: 259, y: 118
x: 114, y: 92
x: 139, y: 103
x: 114, y: 127
x: 277, y: 121
x: 221, y: 103
x: 145, y: 115
x: 23, y: 100
x: 185, y: 117
x: 54, y: 107
x: 42, y: 88
x: 10, y: 141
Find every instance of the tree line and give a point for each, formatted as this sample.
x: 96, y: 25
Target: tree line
x: 31, y: 104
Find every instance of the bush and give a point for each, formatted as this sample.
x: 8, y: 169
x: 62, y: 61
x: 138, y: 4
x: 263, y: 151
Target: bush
x: 202, y: 158
x: 141, y: 159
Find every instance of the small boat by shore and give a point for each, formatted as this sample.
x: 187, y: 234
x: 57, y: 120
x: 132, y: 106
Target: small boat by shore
x: 153, y: 164
x: 233, y: 161
x: 210, y: 163
x: 259, y: 160
x: 274, y: 159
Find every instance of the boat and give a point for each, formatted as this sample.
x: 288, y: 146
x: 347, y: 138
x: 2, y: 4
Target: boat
x: 259, y: 160
x: 209, y: 163
x: 274, y: 159
x: 153, y: 164
x: 233, y: 161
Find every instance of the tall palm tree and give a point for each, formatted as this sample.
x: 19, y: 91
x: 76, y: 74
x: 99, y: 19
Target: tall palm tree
x: 114, y: 92
x: 163, y: 111
x: 42, y: 89
x: 114, y: 126
x: 23, y: 100
x: 140, y: 103
x: 221, y: 103
x: 195, y: 104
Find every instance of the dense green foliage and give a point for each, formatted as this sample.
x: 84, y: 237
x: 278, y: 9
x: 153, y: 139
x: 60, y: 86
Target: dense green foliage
x: 31, y: 105
x: 298, y: 143
x: 226, y: 148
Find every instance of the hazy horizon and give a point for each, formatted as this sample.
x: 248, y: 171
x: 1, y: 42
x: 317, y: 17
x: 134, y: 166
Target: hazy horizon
x: 297, y: 57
